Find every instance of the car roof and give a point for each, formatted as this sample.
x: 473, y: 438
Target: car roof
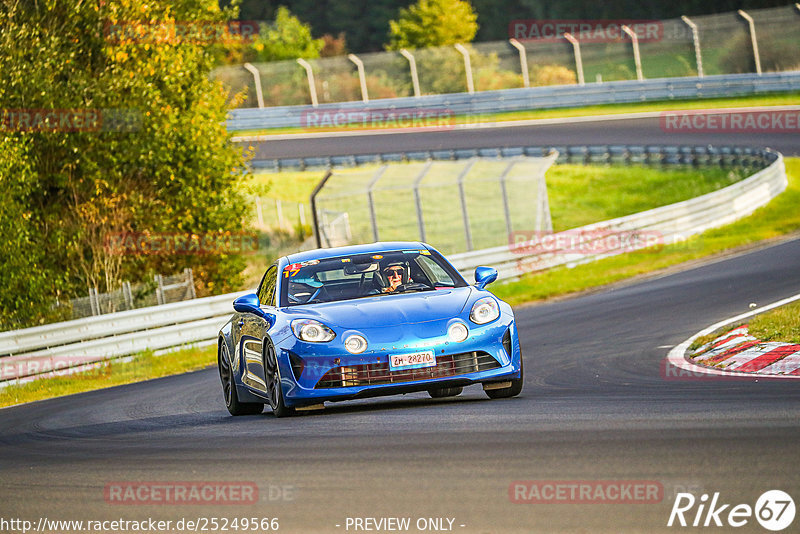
x: 385, y: 246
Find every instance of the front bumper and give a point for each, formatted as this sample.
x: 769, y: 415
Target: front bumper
x: 312, y: 373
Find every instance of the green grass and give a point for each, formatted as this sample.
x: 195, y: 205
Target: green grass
x: 778, y: 99
x: 778, y: 218
x: 143, y: 366
x: 581, y: 194
x: 781, y: 324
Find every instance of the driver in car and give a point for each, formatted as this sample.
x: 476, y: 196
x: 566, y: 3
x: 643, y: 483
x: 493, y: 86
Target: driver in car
x: 396, y: 274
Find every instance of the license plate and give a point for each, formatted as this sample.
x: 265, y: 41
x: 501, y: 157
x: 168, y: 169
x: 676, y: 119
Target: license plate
x: 415, y: 360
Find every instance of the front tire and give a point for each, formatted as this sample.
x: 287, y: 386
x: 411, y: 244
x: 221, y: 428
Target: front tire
x: 511, y: 391
x: 229, y: 386
x: 272, y: 374
x: 445, y: 392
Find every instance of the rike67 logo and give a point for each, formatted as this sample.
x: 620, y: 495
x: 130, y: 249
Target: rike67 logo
x: 774, y: 510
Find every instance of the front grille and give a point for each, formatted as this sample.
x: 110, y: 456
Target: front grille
x: 372, y: 374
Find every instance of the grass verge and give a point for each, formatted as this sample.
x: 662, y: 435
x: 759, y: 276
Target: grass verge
x: 142, y: 366
x: 778, y: 218
x: 781, y: 324
x: 780, y: 99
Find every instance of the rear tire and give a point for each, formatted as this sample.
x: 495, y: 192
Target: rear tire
x: 229, y: 394
x: 511, y: 391
x: 441, y: 393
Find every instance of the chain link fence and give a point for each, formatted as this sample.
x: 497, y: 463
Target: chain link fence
x: 456, y: 206
x: 162, y: 290
x: 725, y: 46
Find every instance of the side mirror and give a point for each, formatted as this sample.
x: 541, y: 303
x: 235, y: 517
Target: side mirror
x: 248, y: 304
x: 484, y: 276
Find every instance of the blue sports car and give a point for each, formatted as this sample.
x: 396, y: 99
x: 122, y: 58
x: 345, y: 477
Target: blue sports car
x: 362, y: 321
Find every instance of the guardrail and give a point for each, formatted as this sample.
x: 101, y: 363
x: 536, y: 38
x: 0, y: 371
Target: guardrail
x: 41, y: 350
x: 628, y: 154
x: 505, y: 100
x: 60, y: 346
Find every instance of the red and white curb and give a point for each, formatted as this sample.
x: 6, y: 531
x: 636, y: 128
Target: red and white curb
x: 752, y: 359
x: 737, y: 350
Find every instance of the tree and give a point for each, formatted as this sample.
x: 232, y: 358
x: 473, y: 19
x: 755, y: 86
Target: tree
x: 286, y: 38
x: 155, y: 158
x: 431, y: 23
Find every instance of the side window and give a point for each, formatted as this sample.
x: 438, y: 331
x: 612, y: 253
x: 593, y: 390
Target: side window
x: 439, y: 275
x: 266, y: 291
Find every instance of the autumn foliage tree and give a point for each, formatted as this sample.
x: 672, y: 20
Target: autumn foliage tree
x: 158, y: 160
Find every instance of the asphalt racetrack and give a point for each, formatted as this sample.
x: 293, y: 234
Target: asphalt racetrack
x: 597, y: 407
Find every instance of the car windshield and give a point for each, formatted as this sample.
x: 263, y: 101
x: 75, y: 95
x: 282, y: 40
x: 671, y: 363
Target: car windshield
x: 366, y: 275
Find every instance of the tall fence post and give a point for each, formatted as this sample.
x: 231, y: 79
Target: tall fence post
x: 190, y: 292
x: 467, y: 67
x: 637, y: 59
x: 257, y: 79
x: 94, y: 301
x: 412, y: 63
x: 418, y: 200
x: 751, y: 24
x: 159, y: 289
x: 127, y: 294
x: 464, y: 214
x: 523, y: 62
x: 698, y: 58
x: 279, y: 212
x: 312, y: 87
x: 259, y: 213
x: 313, y: 201
x: 576, y: 47
x: 373, y: 217
x: 362, y: 77
x: 506, y: 209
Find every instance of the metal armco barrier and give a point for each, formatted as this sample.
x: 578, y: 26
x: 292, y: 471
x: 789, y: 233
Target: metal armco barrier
x: 60, y: 346
x: 37, y: 350
x: 724, y: 85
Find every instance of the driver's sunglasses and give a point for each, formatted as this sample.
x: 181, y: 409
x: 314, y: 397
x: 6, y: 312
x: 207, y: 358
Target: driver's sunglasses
x: 394, y: 272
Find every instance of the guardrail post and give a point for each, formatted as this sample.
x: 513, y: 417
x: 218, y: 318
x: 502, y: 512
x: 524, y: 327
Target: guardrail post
x: 637, y: 59
x: 418, y: 200
x: 312, y: 88
x: 467, y: 67
x: 257, y: 79
x: 462, y: 196
x: 371, y: 202
x: 523, y: 62
x: 698, y: 58
x: 412, y: 63
x: 362, y: 77
x: 751, y: 24
x: 576, y: 47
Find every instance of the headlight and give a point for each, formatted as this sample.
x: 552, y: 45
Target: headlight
x: 484, y: 311
x: 457, y: 332
x: 355, y: 344
x: 311, y: 330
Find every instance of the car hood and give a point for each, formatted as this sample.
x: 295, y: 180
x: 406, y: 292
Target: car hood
x: 389, y: 310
